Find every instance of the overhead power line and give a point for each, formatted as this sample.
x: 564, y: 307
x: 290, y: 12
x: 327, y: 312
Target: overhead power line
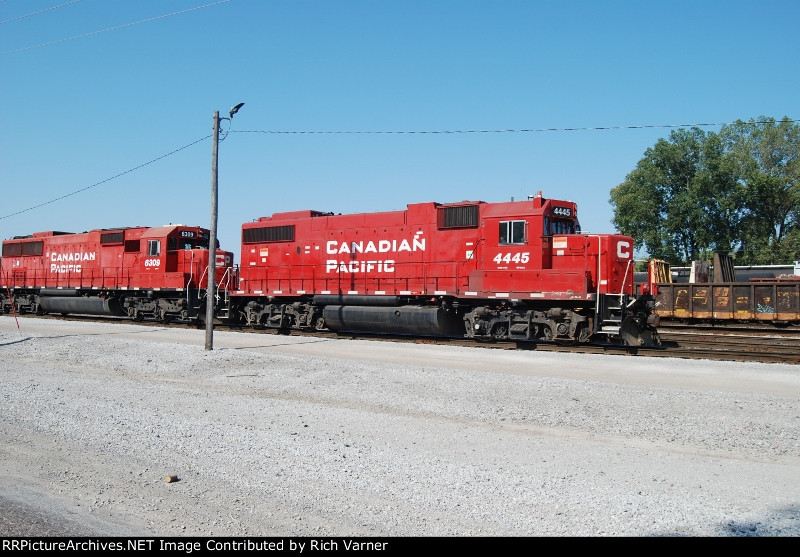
x: 521, y: 130
x: 113, y: 28
x: 39, y: 12
x: 104, y: 181
x: 382, y: 132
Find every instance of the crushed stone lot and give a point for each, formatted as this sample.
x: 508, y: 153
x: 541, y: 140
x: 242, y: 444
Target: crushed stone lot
x: 272, y: 435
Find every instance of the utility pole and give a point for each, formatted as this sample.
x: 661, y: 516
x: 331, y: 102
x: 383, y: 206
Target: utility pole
x: 211, y: 289
x: 211, y: 293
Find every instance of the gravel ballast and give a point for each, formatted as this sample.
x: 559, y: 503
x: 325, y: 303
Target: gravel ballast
x: 297, y: 436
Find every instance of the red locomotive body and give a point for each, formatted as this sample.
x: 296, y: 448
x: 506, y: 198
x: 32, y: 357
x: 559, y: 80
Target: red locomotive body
x: 141, y: 272
x: 517, y: 270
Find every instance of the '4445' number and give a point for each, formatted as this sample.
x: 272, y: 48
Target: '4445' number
x: 523, y: 257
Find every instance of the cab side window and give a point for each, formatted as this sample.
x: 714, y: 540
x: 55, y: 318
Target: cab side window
x: 153, y: 247
x: 512, y: 232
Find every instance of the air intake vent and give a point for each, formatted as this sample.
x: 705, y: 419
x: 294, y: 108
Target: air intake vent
x: 111, y: 238
x: 25, y: 248
x: 464, y: 216
x: 12, y: 250
x: 268, y: 234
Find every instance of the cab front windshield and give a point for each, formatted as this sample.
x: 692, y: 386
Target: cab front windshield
x: 560, y: 226
x: 194, y: 244
x: 185, y: 243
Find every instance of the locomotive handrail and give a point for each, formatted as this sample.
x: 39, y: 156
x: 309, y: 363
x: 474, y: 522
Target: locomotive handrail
x: 191, y: 277
x: 625, y: 278
x: 202, y: 276
x: 597, y: 324
x: 227, y: 276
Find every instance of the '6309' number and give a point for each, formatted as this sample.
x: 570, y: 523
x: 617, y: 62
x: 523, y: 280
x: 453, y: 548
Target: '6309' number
x: 523, y: 257
x: 152, y: 262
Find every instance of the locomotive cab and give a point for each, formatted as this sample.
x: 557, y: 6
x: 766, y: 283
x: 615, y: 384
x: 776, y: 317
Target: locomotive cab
x: 518, y: 249
x: 557, y: 282
x: 179, y: 255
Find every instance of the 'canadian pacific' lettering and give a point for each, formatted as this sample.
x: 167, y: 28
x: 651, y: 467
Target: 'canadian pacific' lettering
x: 383, y: 246
x: 78, y: 256
x: 334, y: 247
x: 69, y: 262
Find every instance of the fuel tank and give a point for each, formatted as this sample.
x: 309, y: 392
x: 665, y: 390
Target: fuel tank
x: 399, y: 320
x: 87, y: 305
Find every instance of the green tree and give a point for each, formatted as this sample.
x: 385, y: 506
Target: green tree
x: 766, y: 154
x: 736, y: 192
x: 720, y: 195
x: 664, y: 202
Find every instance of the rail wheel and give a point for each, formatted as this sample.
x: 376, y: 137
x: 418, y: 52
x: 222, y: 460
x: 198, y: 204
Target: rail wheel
x: 500, y: 331
x: 582, y: 334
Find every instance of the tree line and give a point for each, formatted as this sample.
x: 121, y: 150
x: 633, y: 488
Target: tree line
x: 735, y: 192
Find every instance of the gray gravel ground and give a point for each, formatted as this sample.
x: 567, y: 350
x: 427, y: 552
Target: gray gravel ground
x: 294, y: 436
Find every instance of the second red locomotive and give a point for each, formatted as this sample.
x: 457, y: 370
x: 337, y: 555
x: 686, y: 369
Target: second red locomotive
x: 142, y: 272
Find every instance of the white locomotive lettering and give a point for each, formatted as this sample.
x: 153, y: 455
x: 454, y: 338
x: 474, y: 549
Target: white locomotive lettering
x: 62, y: 258
x: 334, y: 247
x: 78, y: 256
x: 523, y: 258
x: 65, y: 268
x: 380, y: 266
x: 623, y: 250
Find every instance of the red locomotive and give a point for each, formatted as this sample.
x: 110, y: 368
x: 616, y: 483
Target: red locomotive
x: 516, y: 270
x: 157, y: 273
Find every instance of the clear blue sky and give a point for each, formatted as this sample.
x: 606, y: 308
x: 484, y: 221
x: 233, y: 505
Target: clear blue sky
x: 80, y: 111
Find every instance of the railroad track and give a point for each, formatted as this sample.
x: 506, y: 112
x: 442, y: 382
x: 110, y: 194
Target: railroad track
x: 741, y: 343
x: 688, y: 342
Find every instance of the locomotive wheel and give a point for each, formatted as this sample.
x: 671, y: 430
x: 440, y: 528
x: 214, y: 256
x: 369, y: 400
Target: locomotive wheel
x: 582, y: 334
x: 500, y: 331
